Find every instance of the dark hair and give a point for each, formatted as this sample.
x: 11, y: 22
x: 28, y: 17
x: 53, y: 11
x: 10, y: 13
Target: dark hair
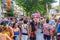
x: 3, y: 23
x: 32, y: 26
x: 10, y: 18
x: 1, y: 29
x: 25, y: 21
x: 21, y: 19
x: 13, y: 25
x: 47, y: 21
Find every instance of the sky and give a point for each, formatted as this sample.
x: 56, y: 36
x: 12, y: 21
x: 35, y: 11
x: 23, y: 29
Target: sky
x: 55, y: 4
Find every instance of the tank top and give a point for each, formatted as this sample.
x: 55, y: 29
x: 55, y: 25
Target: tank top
x: 16, y: 32
x: 8, y: 33
x: 24, y: 28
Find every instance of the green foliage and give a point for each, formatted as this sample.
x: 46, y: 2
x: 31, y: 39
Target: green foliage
x: 0, y: 1
x: 57, y: 8
x: 32, y: 6
x: 10, y: 12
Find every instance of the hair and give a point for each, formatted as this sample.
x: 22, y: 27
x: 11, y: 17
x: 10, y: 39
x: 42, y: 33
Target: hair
x: 47, y: 21
x: 4, y: 26
x: 32, y: 26
x: 21, y: 19
x: 10, y: 18
x: 25, y: 21
x: 3, y: 23
x: 13, y: 25
x: 1, y: 29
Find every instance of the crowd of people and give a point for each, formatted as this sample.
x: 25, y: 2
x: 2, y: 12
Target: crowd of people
x: 25, y: 28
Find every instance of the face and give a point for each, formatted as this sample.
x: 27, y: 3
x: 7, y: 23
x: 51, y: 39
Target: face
x: 16, y: 25
x: 22, y: 22
x: 4, y: 27
x: 13, y: 19
x: 42, y: 20
x: 36, y: 19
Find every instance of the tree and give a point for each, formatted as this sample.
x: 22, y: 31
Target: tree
x: 47, y: 3
x: 31, y: 6
x: 10, y: 12
x: 57, y: 8
x: 0, y: 1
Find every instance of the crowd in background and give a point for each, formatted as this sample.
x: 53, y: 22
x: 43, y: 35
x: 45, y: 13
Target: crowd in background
x: 25, y: 28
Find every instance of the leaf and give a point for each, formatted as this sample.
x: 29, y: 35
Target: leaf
x: 31, y: 6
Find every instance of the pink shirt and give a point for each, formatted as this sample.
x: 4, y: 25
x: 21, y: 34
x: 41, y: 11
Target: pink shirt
x: 52, y: 28
x: 46, y: 29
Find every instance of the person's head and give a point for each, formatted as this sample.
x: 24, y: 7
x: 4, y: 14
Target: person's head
x: 42, y: 20
x: 3, y: 23
x: 35, y: 19
x: 47, y: 21
x: 52, y: 15
x: 13, y: 19
x: 21, y: 19
x: 19, y: 23
x: 4, y: 27
x: 15, y: 25
x: 25, y: 22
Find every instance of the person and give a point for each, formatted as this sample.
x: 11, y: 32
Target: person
x: 7, y: 29
x: 32, y: 30
x: 58, y: 29
x: 25, y: 31
x: 46, y: 30
x: 3, y: 36
x: 52, y: 25
x: 16, y: 31
x: 13, y: 20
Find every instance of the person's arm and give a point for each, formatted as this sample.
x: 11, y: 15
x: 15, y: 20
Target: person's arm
x: 27, y: 28
x: 11, y: 32
x: 8, y: 38
x: 54, y: 26
x: 30, y: 29
x: 51, y: 31
x: 20, y: 33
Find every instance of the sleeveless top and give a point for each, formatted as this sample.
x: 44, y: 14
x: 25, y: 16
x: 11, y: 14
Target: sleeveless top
x: 8, y: 33
x: 16, y: 32
x: 24, y: 28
